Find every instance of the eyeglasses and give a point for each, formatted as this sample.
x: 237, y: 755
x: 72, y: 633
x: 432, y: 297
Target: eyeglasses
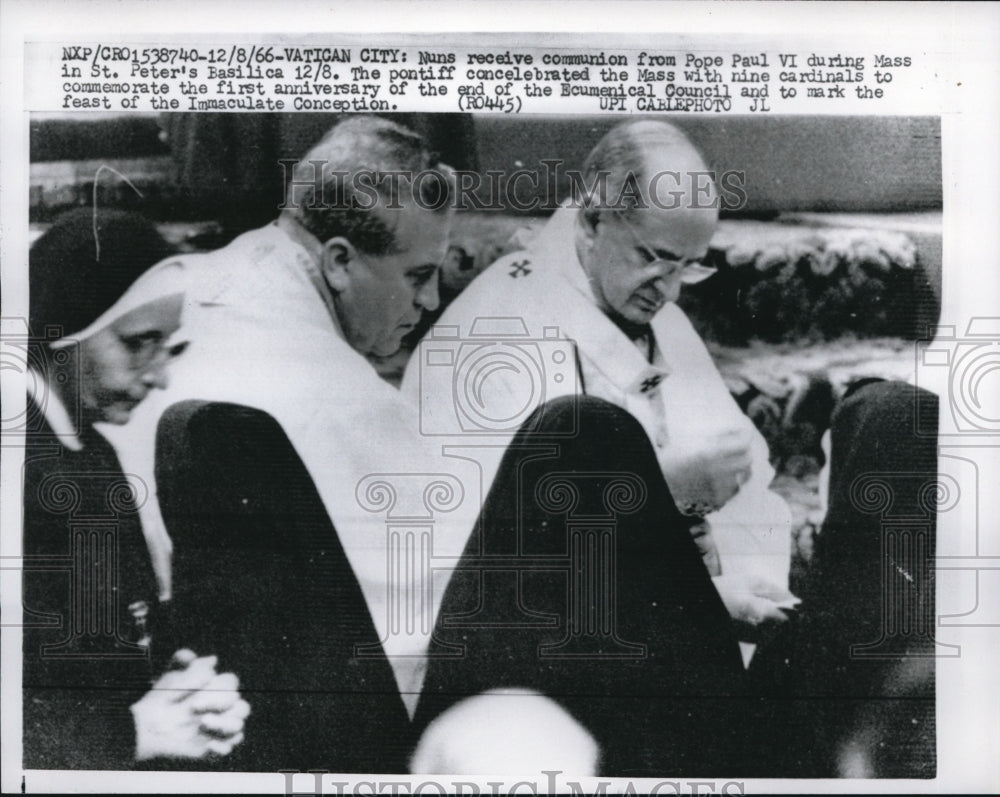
x: 692, y: 271
x: 143, y: 350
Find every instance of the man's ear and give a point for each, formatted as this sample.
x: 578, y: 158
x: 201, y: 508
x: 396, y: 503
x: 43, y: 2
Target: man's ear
x: 338, y: 257
x: 588, y: 221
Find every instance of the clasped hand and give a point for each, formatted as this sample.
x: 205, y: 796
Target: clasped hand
x: 757, y: 606
x: 190, y: 712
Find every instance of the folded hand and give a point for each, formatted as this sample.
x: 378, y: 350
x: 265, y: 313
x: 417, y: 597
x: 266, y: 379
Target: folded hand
x: 190, y: 712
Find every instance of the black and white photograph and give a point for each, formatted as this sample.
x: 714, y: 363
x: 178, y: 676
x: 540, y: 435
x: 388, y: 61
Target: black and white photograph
x: 515, y: 413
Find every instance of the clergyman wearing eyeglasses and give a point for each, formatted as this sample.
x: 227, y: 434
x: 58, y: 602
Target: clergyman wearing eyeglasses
x: 606, y: 271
